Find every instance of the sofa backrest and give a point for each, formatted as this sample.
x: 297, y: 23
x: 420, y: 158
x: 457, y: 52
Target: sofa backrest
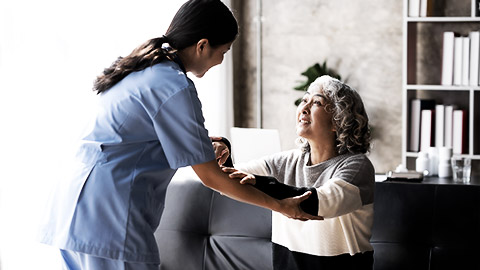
x: 203, y: 230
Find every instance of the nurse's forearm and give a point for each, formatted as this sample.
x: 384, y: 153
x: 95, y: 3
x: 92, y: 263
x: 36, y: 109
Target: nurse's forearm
x: 212, y: 176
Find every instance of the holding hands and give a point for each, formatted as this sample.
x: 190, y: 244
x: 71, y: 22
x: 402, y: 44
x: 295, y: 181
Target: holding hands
x: 289, y: 198
x: 290, y: 206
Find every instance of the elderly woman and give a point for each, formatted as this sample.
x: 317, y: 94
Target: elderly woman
x: 331, y: 162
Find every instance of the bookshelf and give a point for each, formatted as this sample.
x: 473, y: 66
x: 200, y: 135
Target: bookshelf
x: 422, y: 69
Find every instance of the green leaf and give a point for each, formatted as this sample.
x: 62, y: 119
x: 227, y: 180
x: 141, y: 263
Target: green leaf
x: 297, y: 102
x: 312, y: 73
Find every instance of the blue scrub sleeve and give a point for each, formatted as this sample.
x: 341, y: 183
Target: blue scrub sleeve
x: 179, y: 125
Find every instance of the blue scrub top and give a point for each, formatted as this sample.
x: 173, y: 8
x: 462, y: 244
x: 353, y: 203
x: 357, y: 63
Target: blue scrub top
x: 149, y: 124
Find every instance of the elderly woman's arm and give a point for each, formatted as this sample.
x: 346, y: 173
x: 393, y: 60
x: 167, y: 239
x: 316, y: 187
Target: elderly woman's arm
x: 272, y: 187
x: 277, y: 190
x: 349, y: 189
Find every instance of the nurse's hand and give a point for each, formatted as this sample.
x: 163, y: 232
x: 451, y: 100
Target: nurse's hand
x: 221, y: 150
x: 245, y: 178
x: 290, y: 207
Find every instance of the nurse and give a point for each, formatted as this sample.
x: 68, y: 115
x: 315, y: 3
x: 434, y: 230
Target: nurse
x: 149, y: 124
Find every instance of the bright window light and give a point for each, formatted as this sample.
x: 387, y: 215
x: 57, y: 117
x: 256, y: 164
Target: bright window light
x: 50, y: 53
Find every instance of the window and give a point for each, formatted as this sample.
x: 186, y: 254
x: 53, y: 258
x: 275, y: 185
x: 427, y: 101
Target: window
x: 50, y: 53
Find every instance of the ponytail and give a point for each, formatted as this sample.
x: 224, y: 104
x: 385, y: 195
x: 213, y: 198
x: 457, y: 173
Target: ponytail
x: 195, y: 20
x: 146, y: 55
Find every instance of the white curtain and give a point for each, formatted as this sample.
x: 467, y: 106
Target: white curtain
x: 50, y: 53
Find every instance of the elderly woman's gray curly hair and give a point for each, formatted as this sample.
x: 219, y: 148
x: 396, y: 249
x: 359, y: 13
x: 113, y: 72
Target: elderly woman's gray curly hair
x: 348, y: 115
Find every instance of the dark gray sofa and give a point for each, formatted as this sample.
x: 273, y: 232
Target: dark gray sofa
x: 203, y: 230
x: 416, y: 226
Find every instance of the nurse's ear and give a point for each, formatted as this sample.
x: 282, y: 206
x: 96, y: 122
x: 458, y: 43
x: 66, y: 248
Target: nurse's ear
x: 202, y: 45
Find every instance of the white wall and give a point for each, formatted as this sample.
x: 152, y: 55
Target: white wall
x: 50, y: 53
x: 362, y: 40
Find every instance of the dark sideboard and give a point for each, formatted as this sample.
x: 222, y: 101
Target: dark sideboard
x: 432, y: 225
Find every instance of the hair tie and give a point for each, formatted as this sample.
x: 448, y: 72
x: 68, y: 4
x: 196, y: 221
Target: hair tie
x: 167, y: 49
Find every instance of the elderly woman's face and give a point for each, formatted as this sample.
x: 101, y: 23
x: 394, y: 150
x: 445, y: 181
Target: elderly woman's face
x: 313, y: 120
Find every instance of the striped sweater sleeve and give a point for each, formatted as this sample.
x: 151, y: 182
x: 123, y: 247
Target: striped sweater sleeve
x: 351, y: 187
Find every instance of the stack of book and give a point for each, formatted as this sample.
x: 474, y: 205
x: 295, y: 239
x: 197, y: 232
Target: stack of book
x: 460, y: 63
x: 437, y: 125
x: 420, y: 8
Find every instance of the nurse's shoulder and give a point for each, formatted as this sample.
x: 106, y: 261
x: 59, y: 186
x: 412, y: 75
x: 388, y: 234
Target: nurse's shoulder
x: 167, y: 77
x: 152, y: 86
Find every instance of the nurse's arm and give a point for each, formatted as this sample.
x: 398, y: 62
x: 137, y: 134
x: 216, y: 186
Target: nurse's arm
x: 213, y: 177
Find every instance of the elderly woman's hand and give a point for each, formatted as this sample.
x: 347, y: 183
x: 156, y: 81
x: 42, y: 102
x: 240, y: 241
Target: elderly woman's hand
x: 220, y: 149
x: 245, y: 178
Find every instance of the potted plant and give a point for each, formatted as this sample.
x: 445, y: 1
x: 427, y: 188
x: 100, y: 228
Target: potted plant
x: 313, y: 73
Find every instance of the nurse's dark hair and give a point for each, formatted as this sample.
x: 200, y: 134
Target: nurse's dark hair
x: 195, y: 20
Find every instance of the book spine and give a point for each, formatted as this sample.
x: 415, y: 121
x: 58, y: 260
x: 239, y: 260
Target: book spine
x: 459, y: 132
x: 413, y: 8
x: 423, y: 8
x: 474, y: 57
x: 439, y: 125
x: 448, y: 125
x: 465, y: 60
x: 414, y: 125
x: 447, y: 58
x: 457, y: 61
x: 426, y: 136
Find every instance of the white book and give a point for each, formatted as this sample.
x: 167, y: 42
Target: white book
x: 416, y: 107
x: 415, y: 111
x: 458, y: 137
x: 457, y: 61
x: 426, y: 130
x: 439, y: 125
x: 474, y: 57
x: 447, y: 57
x: 413, y: 8
x: 466, y: 61
x: 425, y: 8
x: 449, y: 124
